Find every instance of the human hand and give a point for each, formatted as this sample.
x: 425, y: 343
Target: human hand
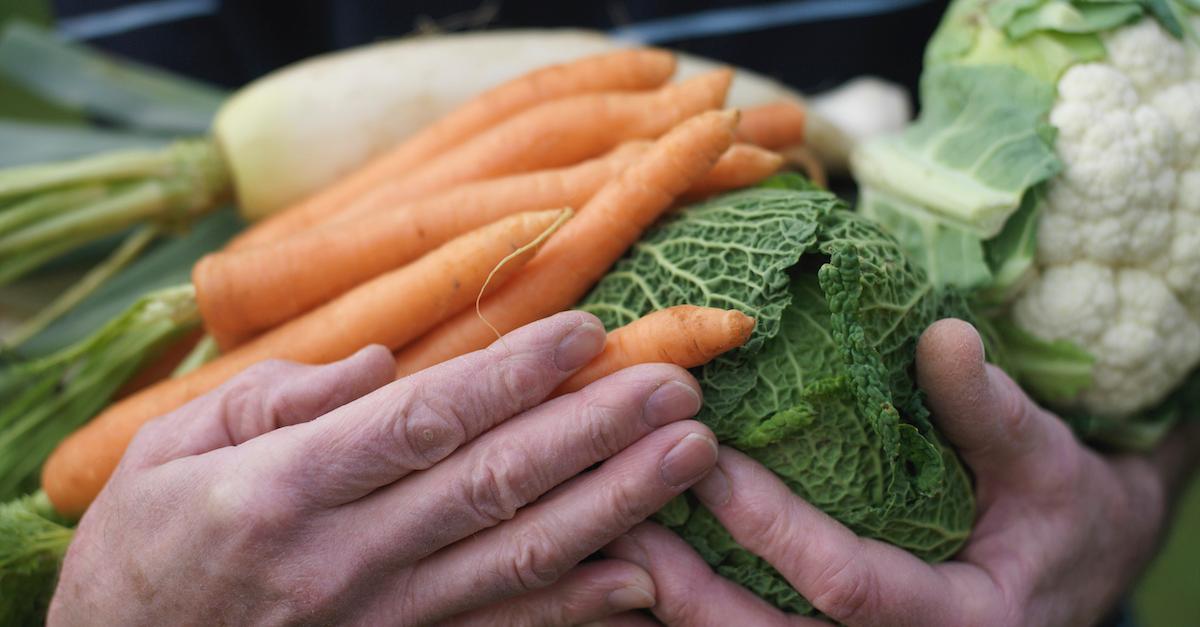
x: 1060, y: 534
x: 329, y: 494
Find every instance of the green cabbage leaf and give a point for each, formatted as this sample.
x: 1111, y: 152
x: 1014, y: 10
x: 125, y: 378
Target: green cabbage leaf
x: 822, y: 394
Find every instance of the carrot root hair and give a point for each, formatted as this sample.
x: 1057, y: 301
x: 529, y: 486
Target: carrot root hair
x: 567, y: 214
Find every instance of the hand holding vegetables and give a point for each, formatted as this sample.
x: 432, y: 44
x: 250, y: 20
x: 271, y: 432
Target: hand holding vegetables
x: 391, y: 310
x: 1062, y: 530
x: 309, y: 494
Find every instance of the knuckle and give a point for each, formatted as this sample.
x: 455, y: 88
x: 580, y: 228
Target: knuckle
x: 603, y: 424
x: 425, y: 432
x: 763, y: 527
x: 151, y: 438
x: 267, y: 370
x: 250, y: 396
x: 845, y: 591
x: 683, y: 613
x: 628, y: 507
x: 247, y: 509
x: 519, y: 382
x: 280, y: 407
x: 311, y: 597
x: 534, y: 564
x: 499, y: 485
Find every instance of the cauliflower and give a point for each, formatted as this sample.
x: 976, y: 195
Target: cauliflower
x: 1118, y: 244
x: 1055, y: 171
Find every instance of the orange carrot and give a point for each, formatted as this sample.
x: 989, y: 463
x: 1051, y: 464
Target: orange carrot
x: 585, y: 249
x: 557, y: 133
x: 390, y: 310
x: 307, y: 269
x: 615, y: 71
x: 685, y: 335
x: 773, y: 126
x: 741, y: 166
x: 311, y: 267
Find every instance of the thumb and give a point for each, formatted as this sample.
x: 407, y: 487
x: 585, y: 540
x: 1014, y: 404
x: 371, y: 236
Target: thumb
x: 999, y: 431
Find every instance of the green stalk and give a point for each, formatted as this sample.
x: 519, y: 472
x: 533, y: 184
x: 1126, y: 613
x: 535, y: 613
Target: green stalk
x: 15, y: 267
x: 48, y: 398
x: 33, y: 542
x: 125, y: 253
x: 205, y: 351
x: 188, y: 180
x: 51, y: 203
x: 125, y: 164
x: 115, y: 213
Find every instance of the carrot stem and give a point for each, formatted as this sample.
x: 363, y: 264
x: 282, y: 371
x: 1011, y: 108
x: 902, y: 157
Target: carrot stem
x: 33, y: 209
x: 126, y: 164
x: 129, y: 249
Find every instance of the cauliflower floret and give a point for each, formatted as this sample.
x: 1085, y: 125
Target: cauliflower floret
x: 1119, y: 233
x: 1113, y: 200
x: 1180, y: 103
x: 1144, y: 340
x: 1148, y: 54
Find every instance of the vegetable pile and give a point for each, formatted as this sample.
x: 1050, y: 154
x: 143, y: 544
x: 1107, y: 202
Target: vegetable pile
x: 822, y: 393
x: 1056, y: 169
x: 534, y: 196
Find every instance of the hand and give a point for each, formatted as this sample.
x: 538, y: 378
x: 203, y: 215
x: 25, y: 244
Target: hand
x: 328, y: 494
x: 1061, y: 531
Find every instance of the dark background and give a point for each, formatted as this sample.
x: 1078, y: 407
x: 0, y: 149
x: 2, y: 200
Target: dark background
x: 240, y: 40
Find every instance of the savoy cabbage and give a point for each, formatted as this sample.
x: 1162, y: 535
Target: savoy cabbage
x: 822, y: 394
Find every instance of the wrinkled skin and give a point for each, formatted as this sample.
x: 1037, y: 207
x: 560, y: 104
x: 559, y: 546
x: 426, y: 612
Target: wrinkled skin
x: 1061, y: 530
x: 305, y: 494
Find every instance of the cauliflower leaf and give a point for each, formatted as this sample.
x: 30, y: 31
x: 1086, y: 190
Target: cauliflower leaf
x: 1090, y: 267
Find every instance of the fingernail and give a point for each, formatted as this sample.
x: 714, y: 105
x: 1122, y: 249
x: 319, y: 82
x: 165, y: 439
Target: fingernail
x: 693, y: 456
x: 579, y: 346
x: 630, y: 598
x: 672, y: 401
x: 713, y: 489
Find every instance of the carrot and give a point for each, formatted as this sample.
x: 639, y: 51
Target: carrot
x: 773, y: 126
x: 301, y: 272
x: 390, y: 310
x: 623, y: 70
x: 557, y: 133
x: 313, y: 266
x: 685, y: 335
x: 741, y: 166
x: 607, y: 225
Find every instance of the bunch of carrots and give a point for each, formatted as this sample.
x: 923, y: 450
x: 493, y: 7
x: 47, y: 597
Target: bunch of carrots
x: 507, y: 210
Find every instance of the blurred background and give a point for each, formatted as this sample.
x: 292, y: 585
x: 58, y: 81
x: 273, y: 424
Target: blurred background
x: 809, y: 44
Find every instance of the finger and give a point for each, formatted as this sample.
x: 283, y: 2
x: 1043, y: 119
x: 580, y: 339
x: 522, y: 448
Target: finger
x: 589, y: 592
x: 492, y: 477
x: 852, y: 580
x: 688, y: 591
x: 265, y: 397
x: 546, y: 539
x: 626, y: 619
x: 418, y: 421
x: 999, y: 431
